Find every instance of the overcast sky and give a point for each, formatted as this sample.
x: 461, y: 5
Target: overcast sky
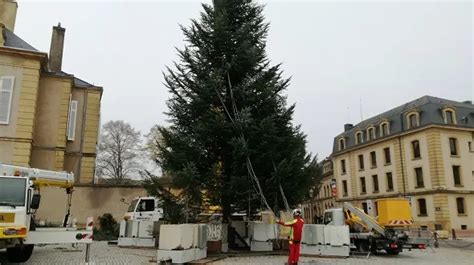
x: 340, y: 55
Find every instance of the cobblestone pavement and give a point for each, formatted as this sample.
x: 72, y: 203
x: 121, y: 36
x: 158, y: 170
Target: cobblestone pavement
x: 101, y: 253
x: 441, y: 256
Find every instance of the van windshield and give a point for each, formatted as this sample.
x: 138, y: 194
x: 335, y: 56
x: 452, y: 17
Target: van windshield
x: 132, y: 206
x: 12, y: 191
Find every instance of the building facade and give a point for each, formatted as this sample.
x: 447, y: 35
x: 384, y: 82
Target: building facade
x: 423, y: 150
x: 323, y: 196
x: 49, y: 119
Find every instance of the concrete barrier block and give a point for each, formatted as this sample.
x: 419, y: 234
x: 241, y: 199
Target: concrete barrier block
x: 261, y: 246
x: 176, y: 237
x: 319, y: 235
x: 309, y: 234
x: 145, y: 229
x: 335, y: 251
x: 311, y: 250
x: 177, y: 256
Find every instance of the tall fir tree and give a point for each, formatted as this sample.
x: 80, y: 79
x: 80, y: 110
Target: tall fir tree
x: 227, y: 108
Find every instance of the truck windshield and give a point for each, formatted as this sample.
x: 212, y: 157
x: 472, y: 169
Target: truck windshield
x: 132, y: 206
x: 12, y: 191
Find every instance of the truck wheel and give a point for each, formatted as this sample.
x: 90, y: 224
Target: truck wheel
x: 392, y: 251
x: 20, y: 253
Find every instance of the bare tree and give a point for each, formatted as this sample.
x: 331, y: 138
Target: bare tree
x: 119, y: 150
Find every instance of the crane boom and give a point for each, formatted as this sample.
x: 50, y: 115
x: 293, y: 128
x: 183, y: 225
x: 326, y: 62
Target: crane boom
x: 39, y: 177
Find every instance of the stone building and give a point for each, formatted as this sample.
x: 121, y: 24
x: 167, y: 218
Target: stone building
x: 48, y: 118
x: 422, y: 150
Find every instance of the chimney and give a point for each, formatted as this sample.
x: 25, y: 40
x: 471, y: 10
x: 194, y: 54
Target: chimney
x: 2, y: 39
x: 56, y: 49
x: 8, y: 10
x: 348, y: 126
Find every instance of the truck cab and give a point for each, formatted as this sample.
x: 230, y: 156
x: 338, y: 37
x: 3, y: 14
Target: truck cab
x: 144, y: 209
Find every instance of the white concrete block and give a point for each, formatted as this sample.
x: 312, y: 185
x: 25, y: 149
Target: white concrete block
x: 123, y: 226
x: 333, y: 251
x: 145, y: 242
x: 145, y: 229
x: 261, y: 246
x: 313, y: 250
x: 336, y: 235
x: 320, y: 235
x: 177, y: 256
x: 176, y: 237
x: 200, y: 253
x: 309, y: 234
x: 262, y: 232
x: 225, y: 247
x: 127, y: 241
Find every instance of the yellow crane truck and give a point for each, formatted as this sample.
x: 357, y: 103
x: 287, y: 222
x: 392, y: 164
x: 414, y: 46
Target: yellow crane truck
x: 19, y: 200
x: 387, y: 231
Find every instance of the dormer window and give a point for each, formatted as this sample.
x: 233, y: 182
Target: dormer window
x: 370, y: 134
x: 384, y: 129
x: 449, y: 116
x: 342, y: 144
x: 413, y: 120
x: 359, y: 138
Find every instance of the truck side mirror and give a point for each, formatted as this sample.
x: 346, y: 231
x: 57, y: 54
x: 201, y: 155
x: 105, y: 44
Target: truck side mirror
x: 35, y: 201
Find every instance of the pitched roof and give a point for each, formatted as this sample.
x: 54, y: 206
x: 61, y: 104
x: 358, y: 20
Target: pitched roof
x: 429, y: 109
x: 13, y: 41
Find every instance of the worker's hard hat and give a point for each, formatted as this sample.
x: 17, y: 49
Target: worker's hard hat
x: 297, y: 212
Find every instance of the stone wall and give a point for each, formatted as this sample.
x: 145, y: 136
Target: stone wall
x: 88, y: 200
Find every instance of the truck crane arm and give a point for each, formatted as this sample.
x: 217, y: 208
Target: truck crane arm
x: 39, y: 177
x: 370, y: 222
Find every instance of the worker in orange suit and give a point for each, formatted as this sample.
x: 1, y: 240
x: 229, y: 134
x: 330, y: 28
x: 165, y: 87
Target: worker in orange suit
x: 296, y: 232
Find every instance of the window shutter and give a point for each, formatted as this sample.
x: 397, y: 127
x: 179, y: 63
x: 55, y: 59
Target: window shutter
x: 71, y: 125
x: 6, y: 95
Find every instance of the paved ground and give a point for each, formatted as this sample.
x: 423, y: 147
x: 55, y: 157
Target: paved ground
x: 103, y: 254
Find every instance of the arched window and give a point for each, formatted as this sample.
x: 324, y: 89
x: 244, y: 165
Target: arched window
x: 449, y: 116
x: 359, y: 137
x: 384, y: 129
x: 342, y: 144
x: 413, y: 120
x: 371, y: 133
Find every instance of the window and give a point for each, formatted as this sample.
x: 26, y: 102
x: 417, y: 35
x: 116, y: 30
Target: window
x: 384, y: 130
x: 412, y: 120
x: 359, y: 138
x: 389, y: 181
x: 463, y: 227
x: 469, y: 145
x: 460, y: 205
x: 71, y: 125
x: 363, y: 189
x: 361, y: 162
x: 388, y: 159
x: 146, y: 206
x: 457, y: 176
x: 344, y: 188
x: 365, y: 208
x: 422, y: 207
x: 419, y: 177
x: 342, y: 144
x: 449, y: 117
x: 343, y: 166
x: 375, y: 182
x: 373, y: 159
x: 416, y: 149
x: 453, y: 146
x: 370, y: 134
x: 6, y: 96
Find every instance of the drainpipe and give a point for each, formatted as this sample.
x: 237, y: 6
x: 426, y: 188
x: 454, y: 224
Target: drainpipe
x: 401, y: 156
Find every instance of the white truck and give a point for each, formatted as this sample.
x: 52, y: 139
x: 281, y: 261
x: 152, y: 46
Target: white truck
x: 140, y: 226
x: 20, y: 198
x: 144, y: 209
